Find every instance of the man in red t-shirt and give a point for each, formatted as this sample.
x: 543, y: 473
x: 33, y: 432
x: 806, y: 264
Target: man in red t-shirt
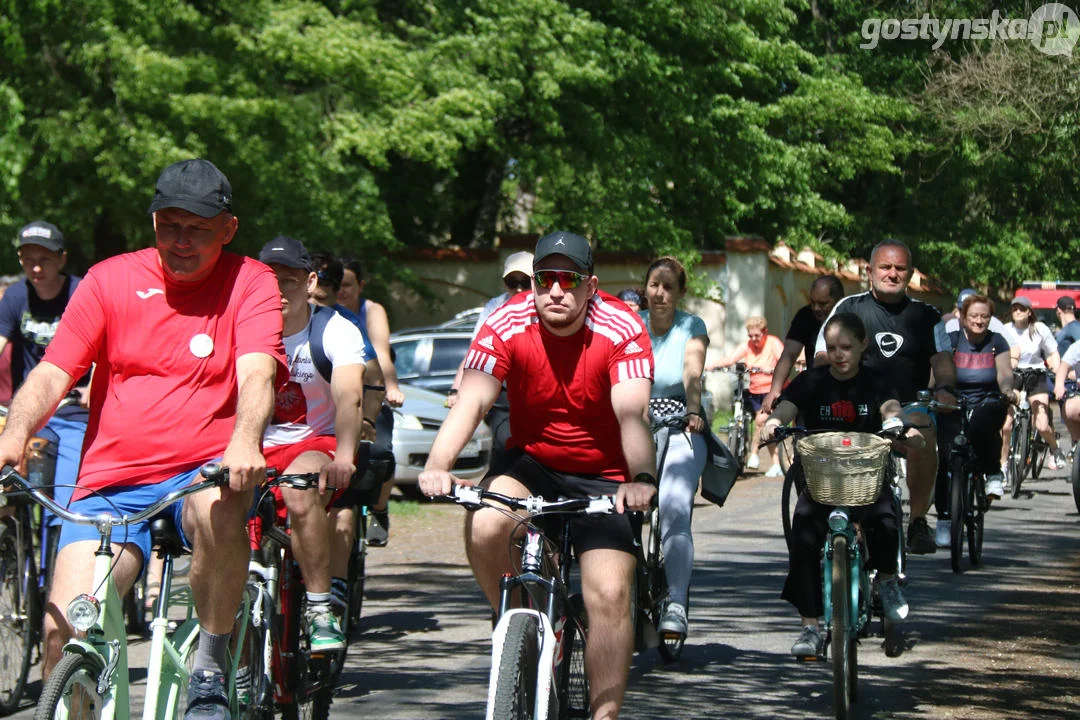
x: 578, y: 368
x: 186, y: 343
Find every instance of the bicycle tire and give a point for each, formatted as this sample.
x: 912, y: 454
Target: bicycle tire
x: 843, y: 635
x: 1017, y: 459
x: 747, y: 434
x: 1075, y: 476
x: 978, y: 503
x: 357, y: 575
x: 72, y: 681
x: 1039, y: 451
x: 1024, y: 456
x: 310, y: 679
x: 787, y: 506
x: 514, y: 697
x: 736, y: 442
x: 259, y: 701
x: 18, y: 634
x: 572, y: 685
x: 957, y: 513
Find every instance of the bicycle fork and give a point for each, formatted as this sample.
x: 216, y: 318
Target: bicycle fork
x: 840, y: 524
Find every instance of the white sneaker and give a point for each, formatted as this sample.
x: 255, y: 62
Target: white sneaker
x: 774, y: 471
x: 1057, y: 461
x: 994, y: 487
x: 943, y: 534
x: 754, y: 462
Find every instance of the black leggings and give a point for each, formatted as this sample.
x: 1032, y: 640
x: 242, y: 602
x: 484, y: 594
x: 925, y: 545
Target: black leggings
x: 984, y: 432
x: 809, y: 525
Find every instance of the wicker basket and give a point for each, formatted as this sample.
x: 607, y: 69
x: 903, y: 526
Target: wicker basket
x: 844, y: 468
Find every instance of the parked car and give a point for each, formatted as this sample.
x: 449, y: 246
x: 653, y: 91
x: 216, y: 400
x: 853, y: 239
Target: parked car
x: 429, y: 358
x: 415, y: 424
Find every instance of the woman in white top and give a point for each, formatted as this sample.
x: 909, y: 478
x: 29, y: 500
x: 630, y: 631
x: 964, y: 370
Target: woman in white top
x: 1036, y: 349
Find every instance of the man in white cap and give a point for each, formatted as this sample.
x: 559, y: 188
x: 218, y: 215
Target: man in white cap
x: 517, y: 277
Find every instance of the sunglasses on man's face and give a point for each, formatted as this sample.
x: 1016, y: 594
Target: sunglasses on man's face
x: 517, y: 285
x: 567, y: 279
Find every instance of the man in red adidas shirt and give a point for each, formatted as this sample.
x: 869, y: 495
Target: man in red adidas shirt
x: 578, y: 368
x: 186, y: 339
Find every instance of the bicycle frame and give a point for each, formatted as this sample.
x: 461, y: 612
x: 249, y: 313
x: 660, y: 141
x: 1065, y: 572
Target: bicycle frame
x: 859, y: 590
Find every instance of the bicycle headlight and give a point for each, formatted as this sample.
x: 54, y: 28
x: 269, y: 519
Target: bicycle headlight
x: 838, y: 520
x: 83, y: 612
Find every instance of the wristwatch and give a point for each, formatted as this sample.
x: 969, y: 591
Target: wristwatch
x: 645, y: 478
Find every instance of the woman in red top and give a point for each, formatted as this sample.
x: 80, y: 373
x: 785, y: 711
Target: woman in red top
x: 760, y: 352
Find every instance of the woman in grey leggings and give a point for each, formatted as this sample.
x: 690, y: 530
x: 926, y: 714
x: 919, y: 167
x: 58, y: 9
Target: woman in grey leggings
x: 679, y: 340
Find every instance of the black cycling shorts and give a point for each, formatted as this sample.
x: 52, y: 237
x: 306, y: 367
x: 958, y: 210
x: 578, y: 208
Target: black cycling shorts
x: 611, y: 532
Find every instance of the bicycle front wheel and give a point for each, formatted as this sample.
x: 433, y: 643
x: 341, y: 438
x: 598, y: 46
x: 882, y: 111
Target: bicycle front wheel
x: 843, y: 634
x: 978, y: 505
x: 1018, y: 452
x: 252, y: 686
x: 1075, y: 476
x: 957, y: 513
x: 17, y: 580
x: 357, y: 575
x: 71, y: 691
x: 515, y: 682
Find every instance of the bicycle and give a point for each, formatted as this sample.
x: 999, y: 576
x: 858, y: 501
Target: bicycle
x: 538, y: 649
x: 968, y: 502
x: 740, y: 427
x: 1027, y: 448
x: 91, y: 678
x: 846, y: 470
x: 278, y: 669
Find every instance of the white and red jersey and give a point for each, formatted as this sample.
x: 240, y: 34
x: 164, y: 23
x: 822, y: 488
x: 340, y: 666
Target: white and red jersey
x: 304, y: 407
x: 163, y: 395
x: 560, y: 387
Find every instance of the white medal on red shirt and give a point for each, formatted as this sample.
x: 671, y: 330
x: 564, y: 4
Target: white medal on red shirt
x: 201, y: 345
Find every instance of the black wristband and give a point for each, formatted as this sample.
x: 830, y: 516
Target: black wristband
x: 452, y: 391
x: 700, y: 415
x: 645, y: 478
x: 369, y: 422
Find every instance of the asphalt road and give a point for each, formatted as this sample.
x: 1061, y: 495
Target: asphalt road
x: 999, y: 641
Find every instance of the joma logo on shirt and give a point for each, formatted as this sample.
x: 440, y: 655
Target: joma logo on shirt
x: 39, y: 332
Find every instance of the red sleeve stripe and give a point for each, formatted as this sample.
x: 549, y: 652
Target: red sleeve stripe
x: 477, y: 360
x: 640, y: 368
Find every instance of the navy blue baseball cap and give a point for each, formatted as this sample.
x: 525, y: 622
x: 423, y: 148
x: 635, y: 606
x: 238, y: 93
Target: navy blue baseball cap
x: 193, y: 185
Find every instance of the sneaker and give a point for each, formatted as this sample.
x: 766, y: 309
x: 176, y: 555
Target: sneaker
x: 943, y: 533
x: 674, y: 620
x: 919, y: 539
x: 1057, y: 461
x: 754, y: 462
x: 324, y: 632
x: 892, y: 600
x: 811, y: 643
x: 378, y: 530
x: 207, y: 697
x: 774, y: 471
x: 994, y: 487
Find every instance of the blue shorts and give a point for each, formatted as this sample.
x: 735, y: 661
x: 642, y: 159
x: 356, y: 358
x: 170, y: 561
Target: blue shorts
x: 126, y: 501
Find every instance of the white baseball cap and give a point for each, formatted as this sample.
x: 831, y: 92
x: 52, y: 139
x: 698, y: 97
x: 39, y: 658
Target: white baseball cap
x: 521, y: 262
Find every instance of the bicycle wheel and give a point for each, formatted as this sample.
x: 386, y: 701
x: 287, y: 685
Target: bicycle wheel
x: 311, y: 681
x: 357, y: 574
x: 1039, y: 450
x: 1018, y: 452
x: 978, y: 504
x: 17, y: 629
x: 736, y: 442
x: 254, y: 691
x: 71, y: 690
x: 747, y: 435
x: 515, y: 683
x: 957, y: 511
x: 1075, y: 476
x: 843, y: 634
x: 572, y: 685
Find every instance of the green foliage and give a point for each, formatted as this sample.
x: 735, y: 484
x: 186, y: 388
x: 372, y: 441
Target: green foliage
x: 371, y: 126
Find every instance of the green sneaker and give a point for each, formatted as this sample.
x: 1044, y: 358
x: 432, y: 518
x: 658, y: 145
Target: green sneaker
x: 324, y: 632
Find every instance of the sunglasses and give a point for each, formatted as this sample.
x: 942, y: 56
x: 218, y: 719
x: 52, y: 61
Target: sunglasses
x: 517, y: 285
x: 567, y: 279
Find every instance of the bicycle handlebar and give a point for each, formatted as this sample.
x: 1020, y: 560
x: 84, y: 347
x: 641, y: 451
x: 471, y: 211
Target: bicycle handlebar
x: 471, y: 495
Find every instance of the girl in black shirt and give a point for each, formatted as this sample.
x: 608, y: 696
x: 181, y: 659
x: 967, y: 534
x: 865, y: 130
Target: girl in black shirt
x: 838, y: 397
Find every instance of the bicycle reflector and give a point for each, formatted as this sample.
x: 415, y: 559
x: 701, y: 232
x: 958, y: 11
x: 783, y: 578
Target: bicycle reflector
x: 83, y: 612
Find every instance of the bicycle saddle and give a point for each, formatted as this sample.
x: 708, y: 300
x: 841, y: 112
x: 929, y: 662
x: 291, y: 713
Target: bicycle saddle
x: 165, y: 537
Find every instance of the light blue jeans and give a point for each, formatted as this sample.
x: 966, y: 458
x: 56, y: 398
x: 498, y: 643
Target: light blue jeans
x: 680, y: 472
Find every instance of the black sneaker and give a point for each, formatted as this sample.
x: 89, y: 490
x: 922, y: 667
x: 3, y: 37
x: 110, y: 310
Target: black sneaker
x: 208, y: 698
x: 378, y: 530
x: 920, y: 541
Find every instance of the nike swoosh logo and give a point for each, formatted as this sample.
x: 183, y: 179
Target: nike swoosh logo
x: 147, y: 294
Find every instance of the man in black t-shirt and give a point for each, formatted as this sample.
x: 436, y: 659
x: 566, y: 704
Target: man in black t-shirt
x: 802, y: 335
x: 905, y: 346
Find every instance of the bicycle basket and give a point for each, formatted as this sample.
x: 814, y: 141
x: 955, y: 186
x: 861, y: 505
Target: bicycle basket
x: 844, y: 468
